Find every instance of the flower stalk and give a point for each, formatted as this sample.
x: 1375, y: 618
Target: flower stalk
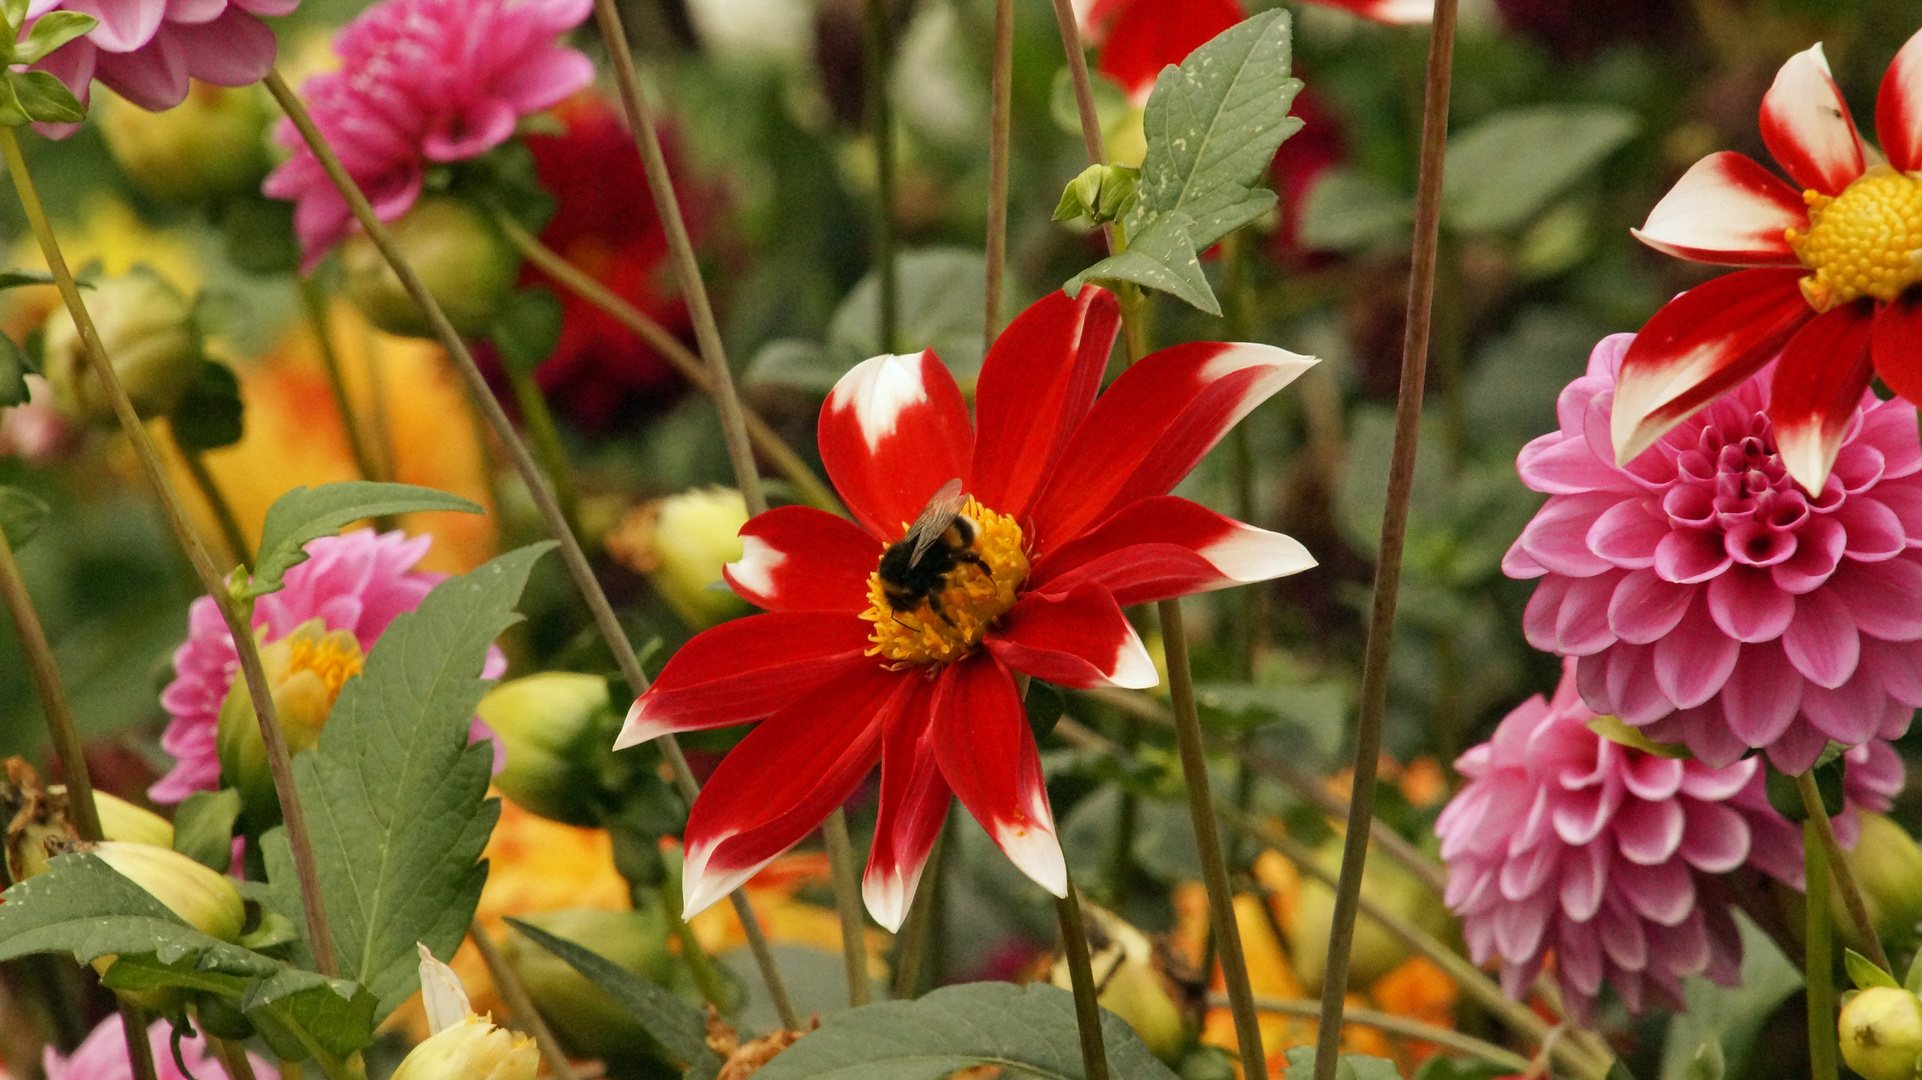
x: 133, y: 1024
x: 1000, y: 125
x: 878, y: 46
x: 313, y: 300
x: 320, y: 934
x: 1823, y: 829
x: 53, y: 694
x: 1400, y: 1026
x: 514, y: 992
x: 1819, y: 959
x: 223, y: 511
x: 233, y: 1057
x: 1087, y: 1005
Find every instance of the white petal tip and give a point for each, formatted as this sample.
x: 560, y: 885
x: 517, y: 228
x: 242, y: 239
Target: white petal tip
x: 700, y: 887
x: 1036, y: 853
x: 442, y: 995
x: 879, y: 389
x: 887, y: 898
x: 639, y: 728
x: 1134, y: 669
x: 754, y: 570
x: 1249, y: 554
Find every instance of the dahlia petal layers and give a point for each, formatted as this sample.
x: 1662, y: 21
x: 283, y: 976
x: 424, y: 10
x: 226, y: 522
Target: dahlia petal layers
x: 423, y: 82
x: 1612, y: 859
x: 1066, y: 519
x: 1833, y: 265
x: 1709, y: 599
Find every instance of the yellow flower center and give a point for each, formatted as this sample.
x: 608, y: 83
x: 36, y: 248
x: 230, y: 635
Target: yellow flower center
x: 985, y: 565
x: 1866, y: 241
x: 306, y: 669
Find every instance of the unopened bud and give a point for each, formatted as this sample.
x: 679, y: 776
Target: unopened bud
x: 1888, y: 868
x: 681, y: 543
x: 1375, y: 950
x: 212, y: 143
x: 123, y: 821
x: 555, y: 727
x: 460, y: 256
x: 207, y: 901
x: 147, y: 328
x: 305, y: 671
x: 587, y: 1020
x: 1134, y: 983
x: 1102, y: 193
x: 1881, y: 1032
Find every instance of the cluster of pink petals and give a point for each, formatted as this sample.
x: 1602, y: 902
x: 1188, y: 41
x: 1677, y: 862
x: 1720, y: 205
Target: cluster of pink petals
x: 1711, y: 601
x: 424, y: 82
x: 103, y: 1056
x: 147, y: 50
x: 1613, y: 860
x: 358, y: 581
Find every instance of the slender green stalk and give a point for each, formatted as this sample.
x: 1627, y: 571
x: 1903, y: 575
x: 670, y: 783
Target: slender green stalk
x: 1394, y: 1025
x: 878, y: 57
x: 1000, y: 126
x: 223, y: 511
x: 233, y: 1058
x: 1394, y: 530
x: 313, y: 299
x: 320, y: 934
x: 133, y: 1026
x: 545, y: 437
x: 1087, y: 1004
x: 53, y: 695
x: 708, y: 978
x: 847, y: 904
x: 1839, y: 870
x: 1819, y: 963
x: 514, y: 992
x: 538, y: 487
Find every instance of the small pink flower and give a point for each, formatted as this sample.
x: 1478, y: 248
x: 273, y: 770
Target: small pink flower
x: 358, y: 581
x: 424, y: 82
x: 1613, y: 860
x: 1712, y: 601
x: 103, y: 1056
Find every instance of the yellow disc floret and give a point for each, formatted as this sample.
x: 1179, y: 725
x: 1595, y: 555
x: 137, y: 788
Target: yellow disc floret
x: 1866, y: 241
x: 950, y: 622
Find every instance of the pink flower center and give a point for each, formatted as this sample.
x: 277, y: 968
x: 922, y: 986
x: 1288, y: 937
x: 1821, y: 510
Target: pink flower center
x: 1732, y: 481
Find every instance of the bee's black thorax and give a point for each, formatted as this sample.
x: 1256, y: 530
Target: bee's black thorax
x: 908, y: 580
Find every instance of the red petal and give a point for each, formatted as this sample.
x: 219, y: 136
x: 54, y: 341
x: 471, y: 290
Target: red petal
x: 1817, y: 388
x: 1037, y: 383
x: 1727, y: 209
x: 1807, y: 125
x: 744, y: 670
x: 1078, y: 639
x: 1151, y: 427
x: 986, y: 751
x: 783, y: 780
x: 1147, y: 37
x: 1897, y: 344
x: 914, y: 804
x: 1703, y: 343
x: 797, y: 558
x: 1166, y: 546
x: 893, y: 430
x: 1898, y: 108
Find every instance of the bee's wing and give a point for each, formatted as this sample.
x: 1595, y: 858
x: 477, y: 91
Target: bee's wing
x: 935, y: 518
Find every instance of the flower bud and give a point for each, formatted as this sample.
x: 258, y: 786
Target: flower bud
x: 589, y: 1022
x: 305, y: 671
x: 681, y: 543
x: 1134, y: 983
x: 123, y: 821
x: 1375, y: 950
x: 1887, y: 864
x: 460, y: 256
x: 212, y: 143
x: 555, y: 727
x: 1102, y: 193
x: 463, y: 1046
x: 206, y: 900
x: 1881, y: 1032
x: 148, y: 330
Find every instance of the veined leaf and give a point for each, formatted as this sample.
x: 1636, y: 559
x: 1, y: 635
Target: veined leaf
x: 1506, y: 169
x: 44, y: 98
x: 396, y: 798
x: 1027, y: 1030
x: 306, y: 513
x: 1863, y: 972
x: 50, y: 31
x: 20, y: 515
x: 678, y: 1026
x: 204, y: 827
x: 1301, y: 1066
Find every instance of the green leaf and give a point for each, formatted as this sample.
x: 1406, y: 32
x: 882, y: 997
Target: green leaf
x: 14, y: 279
x: 204, y: 827
x: 50, y: 31
x: 1508, y: 168
x: 1027, y: 1030
x: 1863, y: 972
x: 1301, y: 1066
x: 1163, y: 258
x: 1732, y: 1016
x: 12, y: 113
x: 1446, y: 1068
x: 1708, y: 1063
x: 20, y: 515
x: 1914, y: 978
x: 44, y: 98
x: 209, y: 414
x: 1350, y: 211
x: 678, y: 1026
x: 941, y: 307
x: 528, y: 328
x: 306, y: 513
x: 281, y: 896
x: 14, y: 365
x: 15, y: 12
x: 396, y: 798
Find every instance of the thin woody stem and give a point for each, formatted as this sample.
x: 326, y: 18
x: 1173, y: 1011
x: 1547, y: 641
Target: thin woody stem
x: 233, y: 1058
x: 877, y: 47
x: 847, y: 904
x: 1818, y: 965
x: 53, y: 695
x: 223, y: 511
x: 133, y: 1025
x: 1391, y: 1024
x: 514, y: 992
x: 1844, y: 877
x: 1394, y: 531
x: 279, y: 764
x: 538, y: 488
x: 1000, y: 125
x: 313, y: 299
x: 1087, y: 1005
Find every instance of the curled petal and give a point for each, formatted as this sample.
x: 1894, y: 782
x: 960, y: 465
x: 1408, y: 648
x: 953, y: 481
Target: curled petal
x: 914, y: 805
x: 1167, y: 546
x: 1727, y: 209
x: 1807, y: 125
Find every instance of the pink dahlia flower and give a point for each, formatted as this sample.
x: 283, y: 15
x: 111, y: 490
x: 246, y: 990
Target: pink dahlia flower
x: 1713, y: 602
x: 1612, y: 859
x: 103, y: 1056
x: 357, y: 582
x: 424, y: 82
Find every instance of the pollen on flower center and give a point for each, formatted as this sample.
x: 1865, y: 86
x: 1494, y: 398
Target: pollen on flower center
x: 1866, y: 241
x: 980, y: 584
x: 334, y: 659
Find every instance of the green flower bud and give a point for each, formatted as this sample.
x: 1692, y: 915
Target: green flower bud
x: 1375, y: 950
x: 1881, y: 1033
x: 213, y: 143
x: 473, y: 1049
x: 123, y: 821
x: 460, y: 256
x: 555, y: 727
x: 206, y: 900
x: 1888, y: 868
x: 1134, y: 984
x: 588, y: 1022
x: 1102, y: 193
x: 305, y: 671
x: 681, y: 543
x: 147, y: 328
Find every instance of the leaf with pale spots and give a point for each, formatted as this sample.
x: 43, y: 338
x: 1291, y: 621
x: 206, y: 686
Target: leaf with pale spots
x: 306, y: 513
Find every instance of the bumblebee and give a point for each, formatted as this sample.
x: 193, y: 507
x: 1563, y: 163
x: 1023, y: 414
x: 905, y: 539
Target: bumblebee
x: 916, y: 567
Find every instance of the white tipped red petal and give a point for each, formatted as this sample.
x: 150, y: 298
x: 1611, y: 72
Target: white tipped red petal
x: 1896, y: 345
x: 892, y: 431
x: 986, y: 751
x: 1817, y: 388
x: 744, y: 670
x: 1152, y: 425
x: 1727, y: 209
x: 1705, y: 341
x: 1807, y: 125
x: 1078, y: 639
x: 1898, y: 108
x: 914, y: 804
x: 797, y: 558
x: 1165, y: 547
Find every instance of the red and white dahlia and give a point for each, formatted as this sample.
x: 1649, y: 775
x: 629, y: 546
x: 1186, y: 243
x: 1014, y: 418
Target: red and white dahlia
x: 1067, y: 519
x: 1833, y: 269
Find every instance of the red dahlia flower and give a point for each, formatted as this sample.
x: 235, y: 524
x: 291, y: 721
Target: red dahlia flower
x: 1067, y: 519
x: 1831, y: 287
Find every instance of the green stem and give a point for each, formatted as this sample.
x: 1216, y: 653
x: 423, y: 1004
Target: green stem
x: 1819, y: 963
x: 1000, y: 125
x: 1395, y: 1025
x: 1087, y: 1005
x: 879, y: 46
x: 708, y: 978
x: 847, y: 904
x: 1858, y: 909
x: 53, y: 695
x: 320, y: 934
x: 545, y: 436
x: 514, y: 992
x: 314, y: 300
x: 233, y: 1058
x: 133, y: 1025
x: 223, y: 511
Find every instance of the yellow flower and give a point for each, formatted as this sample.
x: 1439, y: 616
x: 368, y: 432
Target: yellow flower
x: 463, y: 1045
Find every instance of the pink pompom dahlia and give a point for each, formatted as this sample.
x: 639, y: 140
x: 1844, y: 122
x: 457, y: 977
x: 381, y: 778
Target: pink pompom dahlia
x: 423, y: 82
x: 102, y: 1055
x: 357, y: 582
x: 147, y: 50
x: 1611, y: 859
x: 1713, y: 602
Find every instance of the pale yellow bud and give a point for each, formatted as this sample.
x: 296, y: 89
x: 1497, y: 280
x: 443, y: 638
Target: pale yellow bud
x: 473, y: 1049
x: 1881, y: 1033
x: 122, y: 820
x: 207, y: 901
x: 1134, y: 983
x: 460, y: 256
x: 305, y: 671
x: 147, y: 328
x: 212, y: 143
x: 555, y: 727
x: 681, y: 543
